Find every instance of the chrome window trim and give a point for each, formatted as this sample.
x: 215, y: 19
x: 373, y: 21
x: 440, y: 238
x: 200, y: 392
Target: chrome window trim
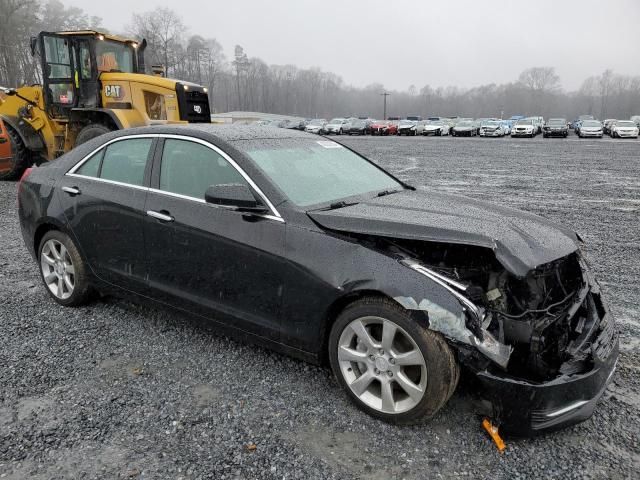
x: 71, y: 172
x: 111, y: 182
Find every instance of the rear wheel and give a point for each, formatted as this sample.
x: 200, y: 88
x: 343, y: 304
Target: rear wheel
x: 20, y: 160
x: 63, y: 270
x: 90, y: 132
x: 391, y: 367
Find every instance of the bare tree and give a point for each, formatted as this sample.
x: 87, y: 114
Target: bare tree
x: 164, y: 31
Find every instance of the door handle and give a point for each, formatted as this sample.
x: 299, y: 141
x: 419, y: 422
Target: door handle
x: 73, y: 191
x: 163, y: 217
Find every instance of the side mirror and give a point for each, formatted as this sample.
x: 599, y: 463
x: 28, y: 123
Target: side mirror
x: 234, y: 195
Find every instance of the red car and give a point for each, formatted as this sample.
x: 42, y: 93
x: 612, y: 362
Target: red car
x: 384, y: 127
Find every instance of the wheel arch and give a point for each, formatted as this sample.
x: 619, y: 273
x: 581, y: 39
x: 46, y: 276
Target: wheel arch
x: 338, y: 305
x: 86, y: 116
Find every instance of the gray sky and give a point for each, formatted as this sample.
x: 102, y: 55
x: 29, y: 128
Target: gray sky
x: 464, y: 43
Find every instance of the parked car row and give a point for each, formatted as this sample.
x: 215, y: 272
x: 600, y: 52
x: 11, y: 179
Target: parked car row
x: 517, y: 126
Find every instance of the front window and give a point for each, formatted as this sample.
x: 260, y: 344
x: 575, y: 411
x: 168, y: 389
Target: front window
x: 316, y: 123
x: 626, y: 124
x: 337, y: 120
x: 114, y: 56
x: 314, y: 172
x: 557, y: 121
x: 591, y: 123
x: 189, y: 168
x: 525, y: 122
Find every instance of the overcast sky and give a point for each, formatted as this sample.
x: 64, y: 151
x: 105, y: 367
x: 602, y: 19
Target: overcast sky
x: 464, y: 43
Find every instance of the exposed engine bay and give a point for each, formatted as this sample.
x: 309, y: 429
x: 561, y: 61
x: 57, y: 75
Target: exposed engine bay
x: 543, y: 316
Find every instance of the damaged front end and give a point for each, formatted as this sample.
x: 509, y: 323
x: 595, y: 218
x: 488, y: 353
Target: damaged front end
x: 540, y: 347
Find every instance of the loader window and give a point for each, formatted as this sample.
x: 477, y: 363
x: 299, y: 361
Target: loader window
x: 58, y: 70
x: 114, y: 57
x: 57, y: 57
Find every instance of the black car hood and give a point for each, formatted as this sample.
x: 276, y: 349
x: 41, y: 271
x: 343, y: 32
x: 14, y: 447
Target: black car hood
x: 521, y: 241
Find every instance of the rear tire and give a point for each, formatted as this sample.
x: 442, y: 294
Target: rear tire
x: 431, y: 376
x: 90, y: 132
x: 21, y: 159
x: 62, y: 269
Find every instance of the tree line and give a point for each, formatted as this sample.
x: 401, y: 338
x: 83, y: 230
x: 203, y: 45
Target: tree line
x: 244, y: 82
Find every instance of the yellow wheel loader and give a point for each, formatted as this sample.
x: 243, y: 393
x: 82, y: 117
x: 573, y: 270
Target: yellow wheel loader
x: 92, y: 83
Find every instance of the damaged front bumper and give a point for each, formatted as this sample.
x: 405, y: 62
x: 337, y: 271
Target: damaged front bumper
x: 526, y: 408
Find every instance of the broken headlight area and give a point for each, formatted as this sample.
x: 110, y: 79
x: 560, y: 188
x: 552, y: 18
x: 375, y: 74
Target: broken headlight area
x: 546, y: 319
x: 552, y: 326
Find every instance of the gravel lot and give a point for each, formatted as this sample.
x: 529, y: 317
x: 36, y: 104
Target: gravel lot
x: 116, y: 390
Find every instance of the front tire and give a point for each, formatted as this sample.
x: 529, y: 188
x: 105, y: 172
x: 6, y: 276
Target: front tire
x: 62, y: 269
x: 391, y: 367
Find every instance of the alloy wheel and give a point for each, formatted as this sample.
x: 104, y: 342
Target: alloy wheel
x: 382, y: 365
x: 57, y: 269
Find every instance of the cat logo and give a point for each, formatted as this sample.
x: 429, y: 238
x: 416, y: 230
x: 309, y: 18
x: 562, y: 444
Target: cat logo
x: 197, y: 108
x: 113, y: 91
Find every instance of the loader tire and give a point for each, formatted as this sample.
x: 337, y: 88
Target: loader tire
x: 21, y: 157
x: 90, y: 132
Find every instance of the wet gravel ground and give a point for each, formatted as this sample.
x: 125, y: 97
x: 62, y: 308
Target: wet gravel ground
x: 117, y: 390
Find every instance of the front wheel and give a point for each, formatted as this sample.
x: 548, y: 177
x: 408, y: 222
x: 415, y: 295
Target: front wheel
x: 63, y: 271
x: 391, y: 367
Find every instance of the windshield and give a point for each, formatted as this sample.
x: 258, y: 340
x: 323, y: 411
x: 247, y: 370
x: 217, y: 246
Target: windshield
x: 465, y: 124
x: 316, y: 122
x: 435, y: 122
x: 337, y: 120
x: 407, y: 122
x: 311, y: 172
x: 358, y: 123
x: 491, y: 123
x: 591, y: 123
x: 114, y: 56
x: 557, y: 121
x: 524, y: 122
x: 626, y: 123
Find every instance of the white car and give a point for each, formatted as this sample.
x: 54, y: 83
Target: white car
x: 492, y: 128
x: 316, y: 126
x: 434, y: 127
x: 524, y: 128
x: 625, y: 129
x: 336, y: 125
x: 590, y: 128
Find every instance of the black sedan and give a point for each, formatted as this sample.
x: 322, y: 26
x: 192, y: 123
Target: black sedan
x: 359, y: 127
x: 555, y: 127
x: 305, y: 246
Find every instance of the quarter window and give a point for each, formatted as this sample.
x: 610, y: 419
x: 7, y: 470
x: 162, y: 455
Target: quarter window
x: 91, y: 168
x: 189, y: 168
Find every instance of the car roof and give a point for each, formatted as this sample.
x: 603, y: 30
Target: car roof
x: 225, y: 132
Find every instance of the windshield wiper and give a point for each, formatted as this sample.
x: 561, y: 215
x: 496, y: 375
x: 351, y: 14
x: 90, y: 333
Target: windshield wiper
x: 340, y: 204
x: 386, y: 192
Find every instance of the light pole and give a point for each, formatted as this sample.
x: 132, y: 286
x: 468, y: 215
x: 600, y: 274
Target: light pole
x: 385, y: 95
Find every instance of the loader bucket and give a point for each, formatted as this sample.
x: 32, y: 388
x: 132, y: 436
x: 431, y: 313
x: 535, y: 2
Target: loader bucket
x: 6, y: 150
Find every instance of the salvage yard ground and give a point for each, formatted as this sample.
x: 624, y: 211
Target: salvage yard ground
x: 117, y: 390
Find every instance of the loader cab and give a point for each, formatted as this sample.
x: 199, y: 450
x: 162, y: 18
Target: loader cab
x: 72, y: 64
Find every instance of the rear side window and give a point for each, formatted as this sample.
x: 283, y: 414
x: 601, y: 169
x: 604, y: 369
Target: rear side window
x: 91, y: 168
x: 125, y: 161
x: 189, y: 168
